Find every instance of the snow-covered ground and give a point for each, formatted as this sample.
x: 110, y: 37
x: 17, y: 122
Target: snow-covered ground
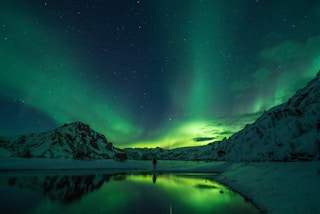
x: 66, y: 166
x: 275, y: 187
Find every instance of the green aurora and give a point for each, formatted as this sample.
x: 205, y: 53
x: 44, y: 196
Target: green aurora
x: 172, y: 74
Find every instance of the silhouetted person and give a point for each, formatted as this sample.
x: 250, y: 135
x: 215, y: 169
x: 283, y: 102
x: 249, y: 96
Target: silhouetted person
x: 154, y: 161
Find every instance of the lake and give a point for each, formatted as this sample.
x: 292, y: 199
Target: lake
x: 118, y: 193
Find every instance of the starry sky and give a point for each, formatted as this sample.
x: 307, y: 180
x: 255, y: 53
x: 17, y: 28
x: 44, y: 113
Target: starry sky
x: 149, y: 73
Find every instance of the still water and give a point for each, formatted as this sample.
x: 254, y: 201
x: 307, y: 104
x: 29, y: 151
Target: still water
x: 119, y: 193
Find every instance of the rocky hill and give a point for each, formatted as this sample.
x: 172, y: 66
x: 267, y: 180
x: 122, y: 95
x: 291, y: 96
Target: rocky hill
x: 74, y: 140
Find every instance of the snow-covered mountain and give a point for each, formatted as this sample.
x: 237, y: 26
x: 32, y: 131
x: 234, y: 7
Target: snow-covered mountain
x: 74, y: 140
x: 287, y: 132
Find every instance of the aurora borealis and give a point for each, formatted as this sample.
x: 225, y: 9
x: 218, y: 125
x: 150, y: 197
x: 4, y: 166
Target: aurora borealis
x: 149, y: 73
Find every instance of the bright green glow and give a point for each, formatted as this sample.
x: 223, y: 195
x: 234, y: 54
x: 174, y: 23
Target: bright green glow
x: 36, y: 70
x: 184, y: 193
x: 182, y: 134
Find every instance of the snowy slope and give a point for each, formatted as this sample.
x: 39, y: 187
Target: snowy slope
x: 288, y: 132
x: 276, y: 187
x: 74, y: 140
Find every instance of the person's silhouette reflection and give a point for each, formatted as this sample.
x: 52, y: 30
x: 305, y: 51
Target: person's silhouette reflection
x: 154, y: 177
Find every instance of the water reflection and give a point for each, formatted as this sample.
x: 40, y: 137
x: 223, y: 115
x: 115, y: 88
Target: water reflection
x: 60, y: 188
x: 154, y: 178
x: 121, y: 193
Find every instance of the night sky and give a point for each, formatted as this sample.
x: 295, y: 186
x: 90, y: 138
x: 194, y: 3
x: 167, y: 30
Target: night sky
x: 149, y: 73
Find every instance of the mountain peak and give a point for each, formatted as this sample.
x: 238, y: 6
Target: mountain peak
x: 77, y: 125
x: 73, y: 140
x: 79, y: 128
